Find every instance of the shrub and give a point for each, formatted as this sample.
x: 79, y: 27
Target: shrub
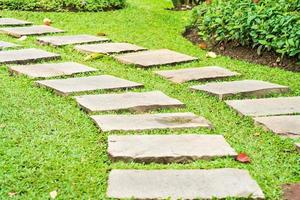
x: 61, y: 5
x: 269, y: 24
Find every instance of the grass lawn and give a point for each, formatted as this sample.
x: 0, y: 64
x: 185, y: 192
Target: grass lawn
x: 47, y: 143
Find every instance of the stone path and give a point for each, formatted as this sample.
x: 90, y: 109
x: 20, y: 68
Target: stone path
x: 140, y: 102
x: 6, y: 45
x: 25, y: 56
x: 291, y: 191
x: 154, y: 57
x: 267, y: 106
x: 182, y: 184
x: 84, y: 84
x: 108, y: 48
x: 150, y: 121
x: 287, y: 125
x: 71, y: 39
x: 150, y: 184
x: 30, y: 30
x: 196, y: 74
x: 50, y: 70
x: 13, y: 22
x: 167, y: 148
x: 256, y: 88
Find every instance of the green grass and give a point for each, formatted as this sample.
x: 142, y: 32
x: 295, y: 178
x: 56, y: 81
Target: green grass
x: 47, y: 143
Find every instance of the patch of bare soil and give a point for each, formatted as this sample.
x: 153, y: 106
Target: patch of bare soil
x: 237, y: 51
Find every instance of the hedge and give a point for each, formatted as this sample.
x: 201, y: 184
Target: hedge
x: 267, y: 25
x: 61, y: 5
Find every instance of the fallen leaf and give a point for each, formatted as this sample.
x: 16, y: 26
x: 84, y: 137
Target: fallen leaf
x: 22, y: 38
x: 47, y: 22
x: 202, y: 45
x: 243, y: 158
x: 257, y: 134
x: 101, y: 34
x: 53, y: 194
x: 211, y: 55
x: 93, y: 56
x: 11, y: 194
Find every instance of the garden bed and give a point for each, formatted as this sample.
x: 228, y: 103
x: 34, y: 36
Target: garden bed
x: 237, y: 51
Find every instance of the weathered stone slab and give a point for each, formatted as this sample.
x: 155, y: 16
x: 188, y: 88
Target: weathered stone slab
x: 267, y: 106
x: 25, y: 56
x: 154, y: 58
x: 182, y: 184
x: 196, y: 74
x: 5, y: 45
x: 13, y: 22
x: 127, y: 101
x: 150, y: 121
x: 71, y: 39
x: 84, y: 84
x: 245, y: 88
x: 298, y: 147
x: 108, y: 48
x: 167, y: 148
x: 291, y: 191
x: 30, y: 30
x: 50, y: 70
x: 287, y: 125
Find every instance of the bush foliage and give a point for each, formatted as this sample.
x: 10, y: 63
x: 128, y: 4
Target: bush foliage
x: 61, y: 5
x: 269, y: 24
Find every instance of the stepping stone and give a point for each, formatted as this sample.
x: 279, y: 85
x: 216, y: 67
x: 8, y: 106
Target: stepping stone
x: 150, y: 121
x: 291, y: 191
x: 50, y: 70
x: 84, y: 84
x: 196, y: 74
x: 127, y: 101
x: 167, y: 148
x: 108, y: 48
x: 5, y: 45
x: 298, y: 147
x: 71, y: 39
x: 287, y: 125
x: 266, y: 107
x: 25, y: 56
x: 245, y: 88
x: 13, y: 22
x: 182, y: 184
x: 154, y: 58
x: 30, y: 30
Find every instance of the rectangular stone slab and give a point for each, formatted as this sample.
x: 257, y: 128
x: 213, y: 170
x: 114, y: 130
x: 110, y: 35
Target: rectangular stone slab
x: 267, y: 106
x: 51, y: 69
x: 167, y: 148
x: 127, y: 101
x: 154, y: 58
x: 108, y: 48
x: 30, y: 30
x: 287, y: 125
x: 13, y: 22
x: 150, y: 121
x: 84, y: 84
x: 25, y: 56
x: 71, y: 39
x: 182, y: 184
x: 245, y: 88
x: 196, y: 74
x: 5, y: 45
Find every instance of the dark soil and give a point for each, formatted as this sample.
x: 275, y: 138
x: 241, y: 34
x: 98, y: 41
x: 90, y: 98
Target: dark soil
x: 237, y: 51
x: 291, y: 191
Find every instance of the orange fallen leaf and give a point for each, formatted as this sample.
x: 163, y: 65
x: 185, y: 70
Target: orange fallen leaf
x: 243, y: 158
x: 47, y: 22
x: 203, y: 45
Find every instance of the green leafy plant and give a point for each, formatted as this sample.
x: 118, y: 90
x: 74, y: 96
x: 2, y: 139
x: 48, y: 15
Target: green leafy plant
x: 62, y: 5
x: 268, y: 25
